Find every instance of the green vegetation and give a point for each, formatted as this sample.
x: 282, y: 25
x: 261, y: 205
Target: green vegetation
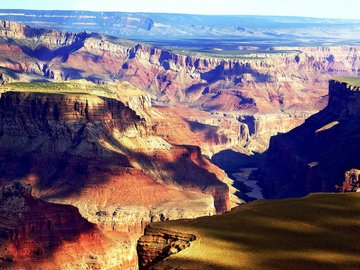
x: 320, y: 231
x: 354, y: 81
x: 121, y: 90
x: 53, y: 87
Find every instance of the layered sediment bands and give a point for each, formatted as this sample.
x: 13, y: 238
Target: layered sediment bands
x: 33, y: 229
x: 315, y: 156
x: 98, y: 154
x: 288, y: 82
x: 259, y: 128
x: 65, y: 129
x: 39, y: 235
x: 42, y: 108
x: 13, y: 30
x: 216, y: 132
x: 157, y: 244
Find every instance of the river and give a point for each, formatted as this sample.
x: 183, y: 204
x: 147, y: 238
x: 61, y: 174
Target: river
x: 243, y: 177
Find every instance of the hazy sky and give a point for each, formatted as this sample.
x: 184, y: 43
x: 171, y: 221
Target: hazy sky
x: 346, y: 9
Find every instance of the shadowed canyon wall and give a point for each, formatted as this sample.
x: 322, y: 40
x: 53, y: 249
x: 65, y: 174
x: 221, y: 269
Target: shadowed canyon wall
x: 282, y: 87
x: 101, y: 156
x: 315, y: 156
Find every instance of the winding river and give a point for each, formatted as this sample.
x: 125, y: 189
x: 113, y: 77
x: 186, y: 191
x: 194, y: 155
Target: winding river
x: 243, y: 177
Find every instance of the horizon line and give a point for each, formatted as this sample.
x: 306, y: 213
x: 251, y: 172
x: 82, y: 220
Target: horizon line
x: 180, y: 13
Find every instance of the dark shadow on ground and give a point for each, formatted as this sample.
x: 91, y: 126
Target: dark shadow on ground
x: 318, y: 232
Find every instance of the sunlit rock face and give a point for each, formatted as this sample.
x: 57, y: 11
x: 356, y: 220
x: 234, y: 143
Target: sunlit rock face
x: 351, y: 182
x: 101, y: 156
x: 315, y: 156
x: 282, y: 87
x: 158, y: 244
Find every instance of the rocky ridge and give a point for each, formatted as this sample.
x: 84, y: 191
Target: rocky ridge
x: 315, y: 156
x: 77, y: 148
x: 287, y: 82
x: 158, y: 244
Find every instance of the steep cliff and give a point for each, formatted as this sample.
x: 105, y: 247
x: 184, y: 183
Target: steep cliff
x: 315, y: 156
x: 287, y: 83
x: 41, y: 235
x: 77, y: 131
x: 33, y: 229
x: 158, y: 244
x: 99, y: 153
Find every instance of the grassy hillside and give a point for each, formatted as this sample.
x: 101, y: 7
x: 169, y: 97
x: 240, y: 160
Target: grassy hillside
x: 320, y: 231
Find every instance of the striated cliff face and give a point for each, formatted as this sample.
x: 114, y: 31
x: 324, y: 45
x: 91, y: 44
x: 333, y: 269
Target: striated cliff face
x: 33, y: 229
x: 13, y: 30
x: 282, y: 87
x: 77, y: 131
x: 102, y: 156
x: 39, y: 235
x: 315, y: 156
x: 157, y: 244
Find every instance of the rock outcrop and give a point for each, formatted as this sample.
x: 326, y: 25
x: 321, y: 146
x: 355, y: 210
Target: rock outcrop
x: 158, y: 244
x: 314, y: 156
x: 351, y: 182
x: 74, y: 132
x: 33, y: 229
x: 101, y: 155
x: 282, y: 87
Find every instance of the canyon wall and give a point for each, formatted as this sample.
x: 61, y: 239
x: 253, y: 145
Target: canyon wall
x: 103, y: 157
x: 282, y: 86
x: 157, y: 244
x: 315, y: 156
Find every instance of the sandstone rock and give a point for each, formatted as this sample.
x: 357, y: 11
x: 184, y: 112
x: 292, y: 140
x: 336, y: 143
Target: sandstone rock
x: 234, y: 84
x: 281, y: 90
x: 351, y: 182
x: 314, y: 156
x: 98, y: 154
x: 157, y: 244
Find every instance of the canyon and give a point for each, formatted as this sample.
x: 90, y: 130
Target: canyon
x: 250, y: 97
x: 76, y: 148
x: 101, y: 138
x: 318, y: 155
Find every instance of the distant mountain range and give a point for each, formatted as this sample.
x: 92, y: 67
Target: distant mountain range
x: 181, y: 30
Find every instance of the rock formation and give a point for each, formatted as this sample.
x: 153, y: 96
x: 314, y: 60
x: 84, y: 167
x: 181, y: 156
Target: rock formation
x: 315, y: 156
x: 351, y: 182
x: 158, y: 244
x: 32, y: 229
x: 101, y: 155
x: 281, y: 88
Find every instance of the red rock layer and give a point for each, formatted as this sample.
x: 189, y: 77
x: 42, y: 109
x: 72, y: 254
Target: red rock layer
x: 97, y: 154
x: 267, y: 83
x: 32, y: 229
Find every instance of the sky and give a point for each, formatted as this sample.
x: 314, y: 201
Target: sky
x: 344, y: 9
